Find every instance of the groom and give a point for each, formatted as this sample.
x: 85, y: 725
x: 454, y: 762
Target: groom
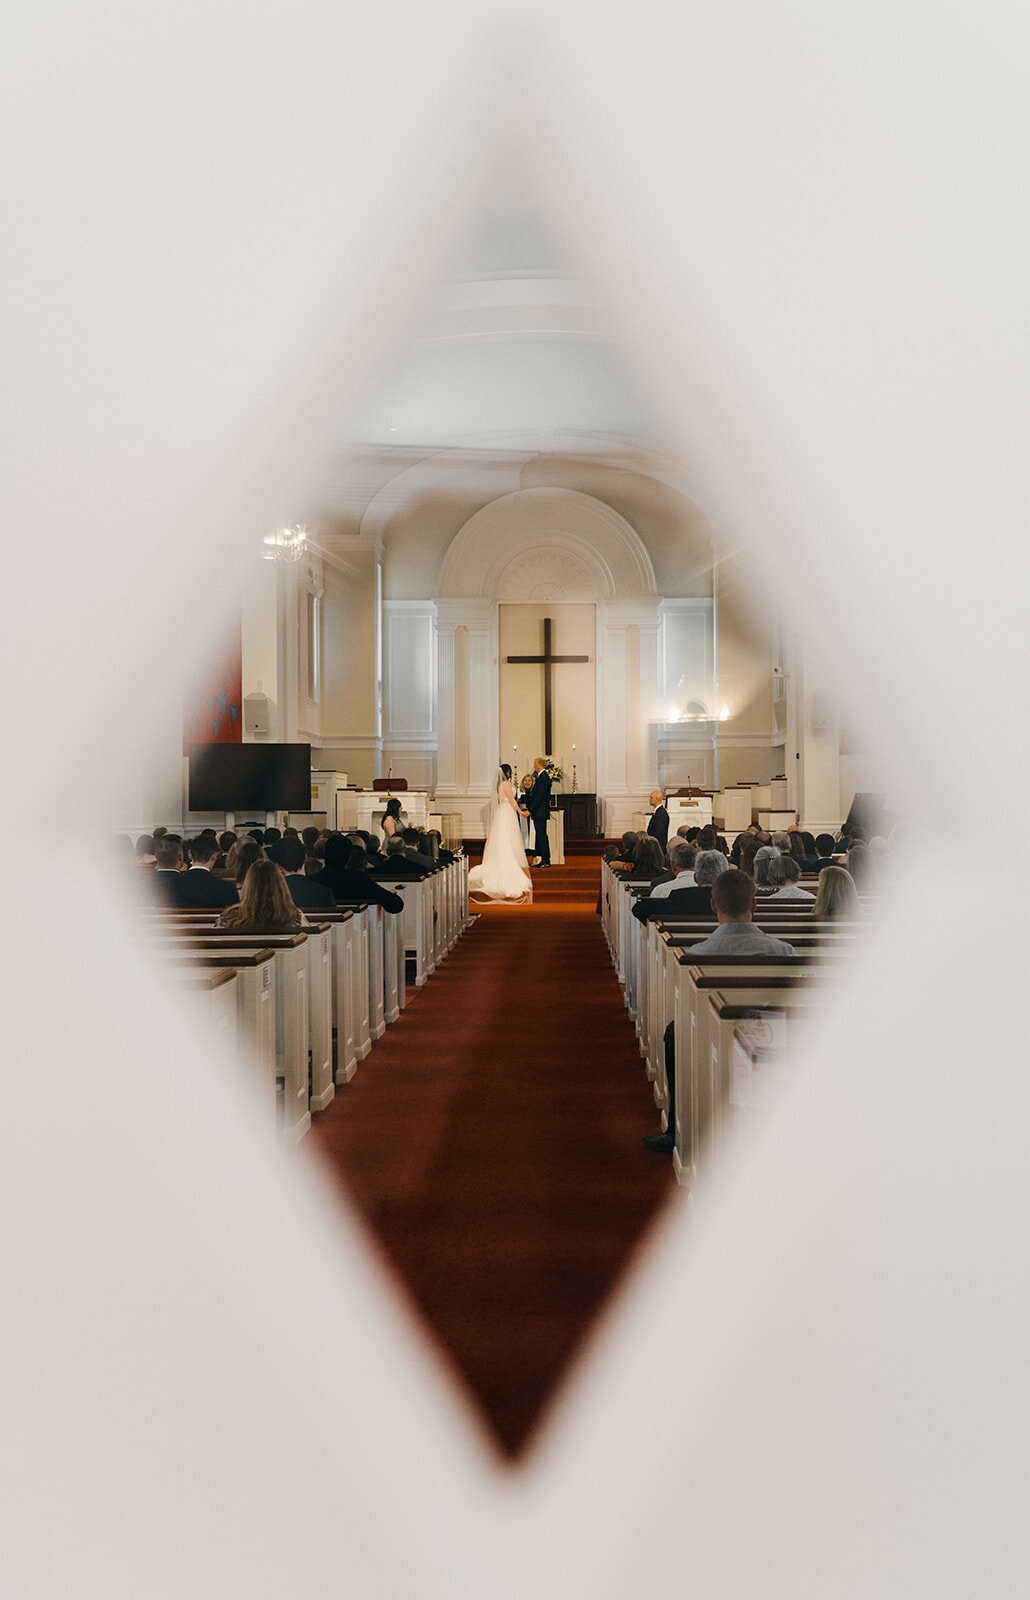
x: 539, y: 803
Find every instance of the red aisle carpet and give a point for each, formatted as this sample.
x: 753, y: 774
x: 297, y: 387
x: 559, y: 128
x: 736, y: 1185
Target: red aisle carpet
x: 492, y: 1140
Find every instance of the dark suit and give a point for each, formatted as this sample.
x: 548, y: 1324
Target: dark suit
x: 199, y: 889
x: 307, y: 893
x: 349, y: 886
x: 539, y: 807
x: 658, y: 827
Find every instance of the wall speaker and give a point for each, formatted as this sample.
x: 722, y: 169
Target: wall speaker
x: 256, y: 713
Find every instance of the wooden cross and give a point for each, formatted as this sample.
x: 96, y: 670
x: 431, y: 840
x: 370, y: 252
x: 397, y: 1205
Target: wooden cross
x: 547, y: 661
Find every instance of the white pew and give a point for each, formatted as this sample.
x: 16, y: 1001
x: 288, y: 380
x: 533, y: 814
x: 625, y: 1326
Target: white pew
x: 292, y: 1028
x: 255, y: 1009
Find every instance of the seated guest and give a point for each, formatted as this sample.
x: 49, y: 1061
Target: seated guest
x: 837, y: 895
x: 764, y: 855
x: 681, y: 876
x: 199, y: 887
x: 708, y: 837
x: 444, y: 857
x: 621, y: 854
x: 345, y: 875
x: 305, y: 891
x: 397, y: 864
x: 733, y: 901
x: 266, y: 905
x: 692, y: 835
x: 271, y: 836
x: 658, y: 827
x: 414, y: 851
x: 750, y: 844
x: 691, y: 900
x: 248, y: 852
x: 167, y: 869
x: 226, y: 840
x: 144, y: 850
x: 824, y: 848
x: 784, y: 873
x: 648, y: 856
x: 860, y: 865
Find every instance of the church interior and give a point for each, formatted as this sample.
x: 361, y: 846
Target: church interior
x: 689, y: 346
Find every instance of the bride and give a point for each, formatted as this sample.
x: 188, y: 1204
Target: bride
x: 504, y: 874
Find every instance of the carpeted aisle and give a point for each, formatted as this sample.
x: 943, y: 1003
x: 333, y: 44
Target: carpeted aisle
x: 492, y: 1139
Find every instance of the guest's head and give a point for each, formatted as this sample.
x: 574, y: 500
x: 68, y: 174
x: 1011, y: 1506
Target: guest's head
x: 628, y: 840
x: 681, y: 833
x: 357, y: 861
x: 291, y: 853
x: 226, y: 840
x: 750, y: 844
x: 860, y: 864
x: 681, y: 855
x: 395, y: 847
x: 290, y: 833
x: 167, y: 854
x: 271, y: 836
x: 733, y: 896
x: 648, y: 855
x: 709, y: 866
x: 248, y: 852
x: 310, y: 838
x: 836, y: 895
x: 824, y: 844
x: 203, y: 850
x: 160, y: 831
x: 707, y: 837
x: 782, y: 871
x: 781, y: 839
x: 693, y: 834
x: 338, y: 850
x: 763, y: 855
x: 266, y: 905
x: 145, y: 848
x: 808, y: 840
x: 412, y: 838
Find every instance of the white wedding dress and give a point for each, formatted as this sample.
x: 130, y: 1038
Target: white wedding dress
x: 504, y: 873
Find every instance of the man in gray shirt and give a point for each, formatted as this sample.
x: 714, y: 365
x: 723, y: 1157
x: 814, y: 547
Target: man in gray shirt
x: 733, y: 901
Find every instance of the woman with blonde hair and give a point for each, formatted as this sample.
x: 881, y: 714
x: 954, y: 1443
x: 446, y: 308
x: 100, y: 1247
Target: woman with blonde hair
x: 266, y: 904
x: 837, y: 895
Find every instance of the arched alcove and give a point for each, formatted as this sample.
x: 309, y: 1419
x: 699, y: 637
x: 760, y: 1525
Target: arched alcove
x: 556, y: 520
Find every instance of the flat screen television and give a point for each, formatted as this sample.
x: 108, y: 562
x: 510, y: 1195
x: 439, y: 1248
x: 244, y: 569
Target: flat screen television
x: 250, y: 777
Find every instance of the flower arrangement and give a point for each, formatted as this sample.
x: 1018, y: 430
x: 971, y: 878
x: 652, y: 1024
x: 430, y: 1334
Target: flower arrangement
x: 554, y: 772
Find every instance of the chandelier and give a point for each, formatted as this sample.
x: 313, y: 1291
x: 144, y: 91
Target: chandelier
x: 285, y: 544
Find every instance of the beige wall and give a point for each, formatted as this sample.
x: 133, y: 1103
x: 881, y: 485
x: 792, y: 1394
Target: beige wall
x: 573, y: 632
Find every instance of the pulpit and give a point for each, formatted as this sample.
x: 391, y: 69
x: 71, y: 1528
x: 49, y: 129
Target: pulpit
x: 580, y: 812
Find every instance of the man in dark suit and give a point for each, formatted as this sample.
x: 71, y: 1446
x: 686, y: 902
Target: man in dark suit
x: 398, y: 864
x: 198, y: 889
x: 538, y: 803
x: 291, y: 856
x: 658, y: 827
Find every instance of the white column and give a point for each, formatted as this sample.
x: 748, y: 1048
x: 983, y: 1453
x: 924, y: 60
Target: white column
x: 448, y: 616
x: 812, y: 749
x: 480, y: 618
x: 611, y: 702
x: 649, y: 698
